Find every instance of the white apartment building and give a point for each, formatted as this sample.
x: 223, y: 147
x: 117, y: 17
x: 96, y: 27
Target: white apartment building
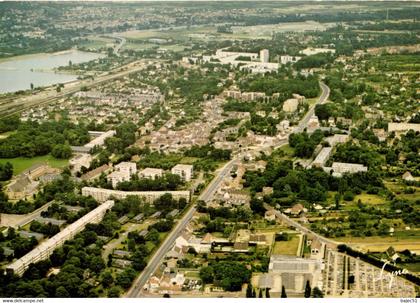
x: 151, y: 173
x: 264, y: 55
x: 102, y: 194
x: 46, y: 248
x: 322, y: 157
x: 123, y: 172
x: 185, y: 171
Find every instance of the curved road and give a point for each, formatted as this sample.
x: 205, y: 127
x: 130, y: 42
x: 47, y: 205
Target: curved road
x: 138, y: 285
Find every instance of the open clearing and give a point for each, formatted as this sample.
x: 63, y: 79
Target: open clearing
x: 20, y: 164
x: 287, y: 247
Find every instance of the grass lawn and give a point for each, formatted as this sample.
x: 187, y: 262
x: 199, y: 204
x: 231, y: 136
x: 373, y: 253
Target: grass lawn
x: 398, y: 189
x: 20, y: 164
x: 400, y: 241
x: 413, y: 267
x: 287, y: 247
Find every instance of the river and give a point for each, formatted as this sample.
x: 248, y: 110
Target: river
x: 18, y: 73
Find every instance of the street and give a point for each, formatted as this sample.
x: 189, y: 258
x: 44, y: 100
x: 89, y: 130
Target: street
x: 138, y: 285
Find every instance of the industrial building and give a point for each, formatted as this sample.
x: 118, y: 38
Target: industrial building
x: 292, y: 273
x: 45, y: 249
x: 102, y: 194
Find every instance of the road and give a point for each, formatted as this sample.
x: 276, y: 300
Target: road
x: 18, y: 105
x: 322, y: 99
x: 207, y: 194
x: 300, y: 227
x: 156, y: 259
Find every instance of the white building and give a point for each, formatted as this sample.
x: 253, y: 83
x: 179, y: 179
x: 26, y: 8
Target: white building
x: 123, y: 172
x: 185, y: 171
x: 79, y: 161
x: 129, y: 168
x: 313, y: 51
x: 102, y: 194
x: 100, y: 139
x: 151, y: 173
x: 289, y: 59
x: 403, y: 127
x: 292, y: 273
x: 264, y: 55
x: 290, y: 105
x: 336, y: 139
x: 46, y: 248
x: 322, y: 157
x: 339, y: 168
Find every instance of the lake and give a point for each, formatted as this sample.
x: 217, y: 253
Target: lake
x: 18, y: 73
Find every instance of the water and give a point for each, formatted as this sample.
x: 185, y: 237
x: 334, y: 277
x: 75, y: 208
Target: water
x: 18, y: 73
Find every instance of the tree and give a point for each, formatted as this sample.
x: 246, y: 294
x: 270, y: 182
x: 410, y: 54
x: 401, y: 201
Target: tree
x: 207, y: 274
x: 106, y: 278
x: 267, y: 292
x: 32, y: 86
x: 114, y: 292
x: 249, y: 290
x: 283, y: 292
x: 6, y: 171
x: 307, y: 290
x: 61, y: 292
x: 260, y: 295
x: 317, y: 293
x: 61, y: 151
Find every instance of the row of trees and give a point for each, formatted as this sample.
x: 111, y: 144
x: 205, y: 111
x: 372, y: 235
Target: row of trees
x: 167, y: 182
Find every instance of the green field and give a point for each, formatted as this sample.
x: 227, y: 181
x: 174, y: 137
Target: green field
x: 20, y: 164
x: 287, y: 247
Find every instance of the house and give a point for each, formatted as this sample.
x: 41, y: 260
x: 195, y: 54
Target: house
x: 258, y: 239
x: 173, y: 213
x: 153, y: 284
x: 317, y: 249
x: 267, y: 190
x: 313, y: 124
x: 270, y: 215
x: 392, y: 254
x: 21, y: 188
x: 184, y: 171
x: 93, y: 174
x: 151, y: 173
x: 297, y: 209
x: 407, y: 176
x: 138, y: 218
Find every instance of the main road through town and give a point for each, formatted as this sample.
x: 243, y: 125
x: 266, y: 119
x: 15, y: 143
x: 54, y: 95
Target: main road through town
x: 136, y: 290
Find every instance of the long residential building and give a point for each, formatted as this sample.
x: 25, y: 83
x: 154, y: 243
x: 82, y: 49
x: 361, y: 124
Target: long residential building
x: 45, y: 249
x: 102, y: 194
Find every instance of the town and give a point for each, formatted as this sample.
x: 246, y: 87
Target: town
x: 229, y: 156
